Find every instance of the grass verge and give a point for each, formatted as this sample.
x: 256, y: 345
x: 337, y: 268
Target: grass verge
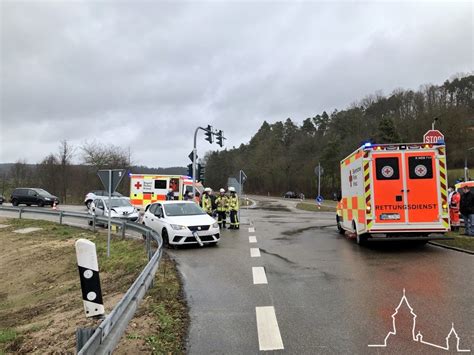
x: 165, y: 313
x: 460, y: 241
x: 314, y: 208
x: 41, y: 306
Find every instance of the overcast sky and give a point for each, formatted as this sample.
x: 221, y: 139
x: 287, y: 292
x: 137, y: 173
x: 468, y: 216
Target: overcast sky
x: 144, y: 75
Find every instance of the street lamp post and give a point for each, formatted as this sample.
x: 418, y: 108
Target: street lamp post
x: 466, y: 170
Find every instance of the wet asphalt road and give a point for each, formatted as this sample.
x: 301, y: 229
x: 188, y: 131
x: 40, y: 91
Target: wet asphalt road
x: 330, y: 296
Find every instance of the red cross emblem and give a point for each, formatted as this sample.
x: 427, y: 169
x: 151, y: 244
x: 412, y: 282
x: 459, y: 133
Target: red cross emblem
x: 138, y: 185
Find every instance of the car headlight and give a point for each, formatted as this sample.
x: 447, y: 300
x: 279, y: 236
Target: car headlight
x: 178, y: 227
x: 215, y: 225
x: 47, y: 199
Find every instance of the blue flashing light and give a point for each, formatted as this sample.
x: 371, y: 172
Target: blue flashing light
x: 367, y: 145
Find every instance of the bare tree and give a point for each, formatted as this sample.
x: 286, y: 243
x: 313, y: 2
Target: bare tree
x: 20, y: 173
x: 101, y: 156
x: 65, y: 154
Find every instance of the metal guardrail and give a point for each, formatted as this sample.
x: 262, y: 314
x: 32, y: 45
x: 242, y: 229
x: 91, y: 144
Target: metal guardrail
x: 107, y: 335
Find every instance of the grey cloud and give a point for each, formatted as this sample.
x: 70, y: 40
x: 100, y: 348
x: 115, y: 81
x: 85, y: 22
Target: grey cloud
x: 145, y: 74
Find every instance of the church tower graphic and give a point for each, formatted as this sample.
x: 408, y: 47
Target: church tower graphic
x: 452, y: 339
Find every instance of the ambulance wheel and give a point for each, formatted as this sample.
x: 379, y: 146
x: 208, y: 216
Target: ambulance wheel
x: 339, y: 226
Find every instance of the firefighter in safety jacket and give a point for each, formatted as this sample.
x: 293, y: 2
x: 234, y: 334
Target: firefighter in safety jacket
x: 233, y: 209
x: 222, y: 206
x: 206, y: 202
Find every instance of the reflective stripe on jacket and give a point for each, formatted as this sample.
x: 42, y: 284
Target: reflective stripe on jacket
x: 233, y: 203
x: 206, y: 203
x: 222, y: 203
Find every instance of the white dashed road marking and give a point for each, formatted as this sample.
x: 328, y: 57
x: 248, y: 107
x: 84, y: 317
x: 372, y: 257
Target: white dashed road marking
x: 27, y: 230
x: 259, y: 276
x: 252, y: 239
x: 251, y: 230
x: 254, y: 252
x: 269, y: 337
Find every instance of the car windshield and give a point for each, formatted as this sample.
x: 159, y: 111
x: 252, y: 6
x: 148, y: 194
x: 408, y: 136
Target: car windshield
x: 42, y: 192
x: 183, y: 209
x: 119, y: 202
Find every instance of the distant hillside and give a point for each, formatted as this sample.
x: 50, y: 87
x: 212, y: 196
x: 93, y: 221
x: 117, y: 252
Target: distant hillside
x: 174, y: 170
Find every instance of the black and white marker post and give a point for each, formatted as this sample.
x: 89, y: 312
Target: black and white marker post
x: 89, y: 275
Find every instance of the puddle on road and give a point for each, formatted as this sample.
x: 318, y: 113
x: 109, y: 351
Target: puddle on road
x: 278, y: 256
x: 293, y: 232
x: 267, y: 206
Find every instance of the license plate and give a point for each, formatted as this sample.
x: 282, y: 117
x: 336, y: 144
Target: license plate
x: 390, y: 216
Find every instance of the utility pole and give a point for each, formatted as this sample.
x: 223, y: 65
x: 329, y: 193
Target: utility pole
x: 466, y: 170
x: 319, y: 179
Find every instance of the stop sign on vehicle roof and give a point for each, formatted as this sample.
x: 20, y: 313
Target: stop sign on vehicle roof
x: 433, y: 136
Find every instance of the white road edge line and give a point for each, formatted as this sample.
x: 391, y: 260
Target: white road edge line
x: 254, y: 252
x: 269, y: 337
x: 251, y: 230
x: 252, y: 239
x: 259, y: 276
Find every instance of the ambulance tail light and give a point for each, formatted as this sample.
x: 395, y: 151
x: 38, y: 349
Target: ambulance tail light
x: 445, y: 207
x: 368, y: 208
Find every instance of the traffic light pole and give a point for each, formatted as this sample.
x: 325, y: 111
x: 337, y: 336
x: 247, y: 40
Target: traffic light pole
x: 209, y: 134
x: 194, y: 159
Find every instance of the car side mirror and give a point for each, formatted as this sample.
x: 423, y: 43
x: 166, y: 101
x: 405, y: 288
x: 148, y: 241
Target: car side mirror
x: 158, y: 214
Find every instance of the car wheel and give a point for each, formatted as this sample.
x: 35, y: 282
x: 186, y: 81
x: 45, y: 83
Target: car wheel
x: 41, y: 204
x: 164, y: 235
x: 15, y: 202
x: 339, y: 226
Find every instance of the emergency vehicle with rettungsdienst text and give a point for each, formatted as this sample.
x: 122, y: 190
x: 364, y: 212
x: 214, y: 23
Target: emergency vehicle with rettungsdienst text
x: 394, y: 191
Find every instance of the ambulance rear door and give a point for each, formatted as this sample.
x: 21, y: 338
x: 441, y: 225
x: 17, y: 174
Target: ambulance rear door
x: 388, y: 187
x: 422, y: 187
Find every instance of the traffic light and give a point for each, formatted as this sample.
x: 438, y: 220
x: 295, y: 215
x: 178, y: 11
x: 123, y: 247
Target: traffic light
x: 190, y: 170
x: 209, y: 134
x: 201, y: 173
x: 219, y: 138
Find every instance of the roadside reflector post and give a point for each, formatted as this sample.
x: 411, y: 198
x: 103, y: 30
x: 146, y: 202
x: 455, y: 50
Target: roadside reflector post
x: 123, y: 229
x: 89, y: 275
x: 20, y: 212
x: 61, y: 217
x: 93, y: 223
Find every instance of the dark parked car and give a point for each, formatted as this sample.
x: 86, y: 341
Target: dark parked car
x: 32, y: 196
x: 290, y: 194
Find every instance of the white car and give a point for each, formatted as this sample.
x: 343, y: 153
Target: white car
x: 91, y: 196
x: 181, y: 223
x: 120, y: 208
